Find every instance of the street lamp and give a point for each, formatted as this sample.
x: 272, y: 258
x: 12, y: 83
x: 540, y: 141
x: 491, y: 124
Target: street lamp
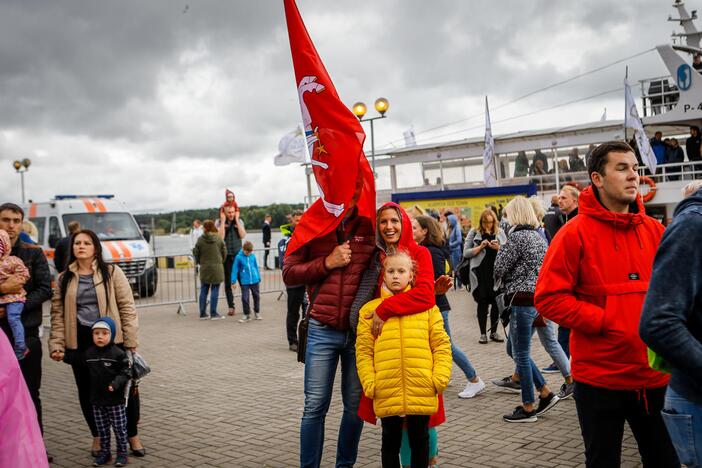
x: 359, y: 109
x: 21, y: 167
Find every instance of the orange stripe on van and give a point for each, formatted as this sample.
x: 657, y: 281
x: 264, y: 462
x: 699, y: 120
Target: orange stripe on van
x: 88, y: 206
x: 100, y: 205
x: 125, y: 250
x: 113, y: 251
x: 33, y: 210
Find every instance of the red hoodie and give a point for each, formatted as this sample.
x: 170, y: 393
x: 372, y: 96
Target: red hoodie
x: 594, y: 280
x: 418, y: 299
x: 421, y: 296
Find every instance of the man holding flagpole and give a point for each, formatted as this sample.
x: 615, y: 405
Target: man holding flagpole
x: 330, y: 249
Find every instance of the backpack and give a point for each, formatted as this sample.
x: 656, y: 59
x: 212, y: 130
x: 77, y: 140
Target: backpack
x: 463, y: 271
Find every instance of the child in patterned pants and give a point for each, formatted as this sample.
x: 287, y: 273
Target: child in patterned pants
x: 109, y: 373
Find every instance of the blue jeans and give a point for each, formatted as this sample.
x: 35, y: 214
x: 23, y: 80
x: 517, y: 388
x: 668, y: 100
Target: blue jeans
x: 521, y: 324
x: 547, y: 336
x: 459, y: 357
x: 325, y: 346
x: 683, y: 419
x: 214, y: 295
x: 564, y: 339
x: 14, y: 318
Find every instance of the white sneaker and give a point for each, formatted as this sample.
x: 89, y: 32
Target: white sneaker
x: 472, y: 389
x: 245, y: 319
x: 258, y: 317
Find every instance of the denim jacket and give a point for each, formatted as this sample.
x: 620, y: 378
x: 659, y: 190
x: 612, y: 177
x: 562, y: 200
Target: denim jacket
x: 671, y: 321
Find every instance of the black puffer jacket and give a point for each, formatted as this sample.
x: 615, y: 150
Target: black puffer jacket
x: 38, y: 287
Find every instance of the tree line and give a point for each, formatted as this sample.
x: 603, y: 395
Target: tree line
x: 252, y: 216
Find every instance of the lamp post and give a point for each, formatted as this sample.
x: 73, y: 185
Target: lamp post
x: 359, y: 109
x: 21, y: 167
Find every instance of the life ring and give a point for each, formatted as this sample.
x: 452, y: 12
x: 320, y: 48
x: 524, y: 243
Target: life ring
x: 651, y: 188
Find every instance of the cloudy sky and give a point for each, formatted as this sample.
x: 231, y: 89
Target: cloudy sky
x: 164, y: 103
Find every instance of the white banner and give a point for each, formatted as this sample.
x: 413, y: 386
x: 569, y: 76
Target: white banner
x: 632, y: 120
x: 489, y: 172
x: 409, y: 137
x: 293, y: 148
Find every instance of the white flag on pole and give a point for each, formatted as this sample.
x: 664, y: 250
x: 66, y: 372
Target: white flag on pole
x: 489, y: 172
x: 292, y: 147
x: 604, y: 116
x: 632, y: 120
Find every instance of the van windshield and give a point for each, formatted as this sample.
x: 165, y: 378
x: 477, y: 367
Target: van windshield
x: 107, y: 226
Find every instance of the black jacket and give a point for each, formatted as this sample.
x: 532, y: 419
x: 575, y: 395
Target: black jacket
x: 692, y: 147
x: 107, y: 366
x: 439, y: 257
x: 38, y: 288
x: 671, y: 321
x: 554, y: 219
x: 266, y: 228
x: 61, y: 254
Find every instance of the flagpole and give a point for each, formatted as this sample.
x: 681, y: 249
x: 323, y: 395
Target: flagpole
x: 626, y: 78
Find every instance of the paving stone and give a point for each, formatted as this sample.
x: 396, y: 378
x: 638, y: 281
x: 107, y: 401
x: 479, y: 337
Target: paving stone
x: 225, y: 394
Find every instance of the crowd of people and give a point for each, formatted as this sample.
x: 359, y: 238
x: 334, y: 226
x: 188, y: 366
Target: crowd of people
x: 375, y: 302
x: 376, y: 298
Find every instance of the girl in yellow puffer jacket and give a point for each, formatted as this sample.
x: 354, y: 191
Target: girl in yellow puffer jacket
x: 405, y: 368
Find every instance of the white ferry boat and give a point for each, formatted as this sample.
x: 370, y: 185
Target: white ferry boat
x: 451, y: 172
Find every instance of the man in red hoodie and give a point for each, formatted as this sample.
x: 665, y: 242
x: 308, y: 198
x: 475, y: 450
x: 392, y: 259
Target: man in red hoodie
x: 594, y: 280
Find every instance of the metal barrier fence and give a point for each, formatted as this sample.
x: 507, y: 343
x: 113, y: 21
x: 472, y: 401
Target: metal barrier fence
x: 174, y: 280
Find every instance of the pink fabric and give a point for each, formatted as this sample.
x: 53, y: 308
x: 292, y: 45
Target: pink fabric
x: 20, y: 438
x: 11, y: 265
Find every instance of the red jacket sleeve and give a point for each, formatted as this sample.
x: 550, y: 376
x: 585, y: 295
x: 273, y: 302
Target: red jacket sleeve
x: 418, y: 299
x: 297, y: 270
x: 555, y: 297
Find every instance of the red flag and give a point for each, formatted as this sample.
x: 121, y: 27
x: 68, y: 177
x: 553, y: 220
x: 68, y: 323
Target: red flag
x: 334, y: 139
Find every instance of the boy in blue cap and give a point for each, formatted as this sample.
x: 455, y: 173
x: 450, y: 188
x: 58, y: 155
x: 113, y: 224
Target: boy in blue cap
x: 109, y: 373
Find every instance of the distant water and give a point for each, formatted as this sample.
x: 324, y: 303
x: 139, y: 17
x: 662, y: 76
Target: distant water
x: 179, y: 244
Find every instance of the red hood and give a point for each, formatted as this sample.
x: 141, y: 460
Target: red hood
x: 589, y: 205
x: 407, y: 242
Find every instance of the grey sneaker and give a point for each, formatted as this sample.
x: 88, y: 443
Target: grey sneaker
x: 244, y: 319
x: 258, y: 316
x: 546, y: 403
x: 566, y: 391
x: 483, y: 339
x: 508, y: 384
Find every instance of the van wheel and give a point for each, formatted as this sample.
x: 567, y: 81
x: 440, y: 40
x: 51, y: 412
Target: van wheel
x: 149, y: 288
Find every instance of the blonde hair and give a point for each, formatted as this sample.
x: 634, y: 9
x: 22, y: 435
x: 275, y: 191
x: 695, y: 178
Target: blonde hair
x: 538, y: 207
x: 519, y: 212
x: 495, y: 227
x: 574, y: 192
x: 401, y: 254
x: 691, y: 188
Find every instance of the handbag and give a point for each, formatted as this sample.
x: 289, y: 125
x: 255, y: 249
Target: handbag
x: 303, y: 328
x: 140, y: 368
x: 504, y: 307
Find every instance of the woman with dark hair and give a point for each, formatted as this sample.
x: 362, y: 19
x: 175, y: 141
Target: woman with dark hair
x: 427, y: 232
x: 90, y: 289
x: 210, y: 253
x: 481, y: 247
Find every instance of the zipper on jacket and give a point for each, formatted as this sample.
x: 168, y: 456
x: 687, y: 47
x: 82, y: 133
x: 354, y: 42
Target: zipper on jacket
x: 402, y: 367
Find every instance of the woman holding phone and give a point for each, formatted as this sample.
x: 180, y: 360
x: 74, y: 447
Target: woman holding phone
x: 481, y: 246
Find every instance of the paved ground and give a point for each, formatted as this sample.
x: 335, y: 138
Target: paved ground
x: 230, y: 395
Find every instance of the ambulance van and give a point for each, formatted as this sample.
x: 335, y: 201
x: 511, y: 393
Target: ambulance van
x: 122, y: 242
